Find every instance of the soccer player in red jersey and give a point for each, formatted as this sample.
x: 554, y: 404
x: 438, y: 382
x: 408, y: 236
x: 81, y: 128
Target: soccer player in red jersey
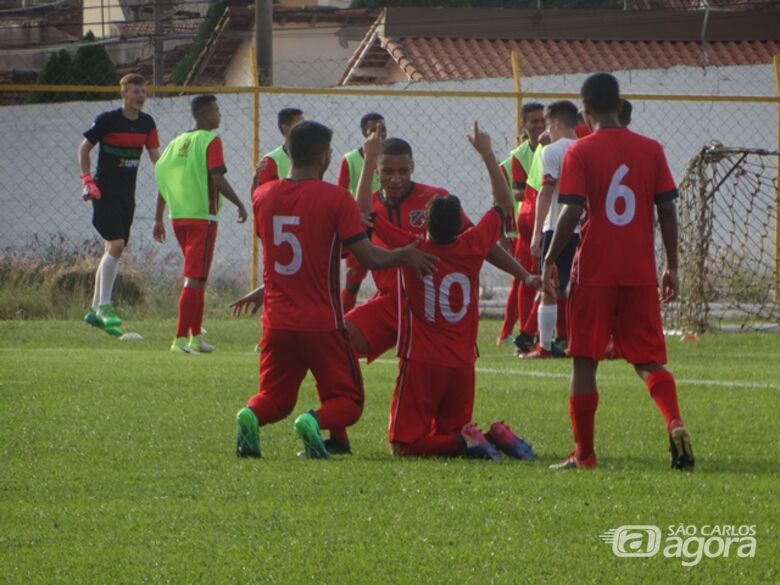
x: 122, y: 134
x: 303, y: 223
x: 434, y: 395
x: 349, y: 175
x: 276, y: 164
x: 619, y: 177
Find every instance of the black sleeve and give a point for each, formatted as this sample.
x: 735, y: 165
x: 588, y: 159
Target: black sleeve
x: 99, y: 128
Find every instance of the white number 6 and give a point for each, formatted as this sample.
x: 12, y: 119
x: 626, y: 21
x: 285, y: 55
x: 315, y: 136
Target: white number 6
x: 616, y: 192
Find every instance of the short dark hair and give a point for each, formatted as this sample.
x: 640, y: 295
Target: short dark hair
x: 394, y: 146
x: 444, y: 218
x: 602, y: 92
x: 564, y: 111
x: 307, y: 141
x: 531, y: 107
x: 200, y: 103
x: 368, y: 118
x: 624, y: 117
x: 287, y: 115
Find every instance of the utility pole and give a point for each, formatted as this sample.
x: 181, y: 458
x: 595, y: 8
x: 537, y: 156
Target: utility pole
x: 264, y: 41
x: 160, y: 15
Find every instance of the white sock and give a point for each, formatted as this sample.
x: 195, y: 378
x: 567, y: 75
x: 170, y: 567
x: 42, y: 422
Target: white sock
x: 96, y: 294
x: 548, y: 317
x: 107, y: 269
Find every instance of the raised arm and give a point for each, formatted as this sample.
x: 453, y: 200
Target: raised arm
x: 502, y: 195
x: 371, y: 149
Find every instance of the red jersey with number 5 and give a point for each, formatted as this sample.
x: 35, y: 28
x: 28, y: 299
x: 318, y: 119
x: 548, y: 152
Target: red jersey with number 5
x: 302, y: 226
x: 439, y: 315
x: 618, y: 176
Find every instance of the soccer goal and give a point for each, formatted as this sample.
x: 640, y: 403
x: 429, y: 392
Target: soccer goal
x: 728, y: 247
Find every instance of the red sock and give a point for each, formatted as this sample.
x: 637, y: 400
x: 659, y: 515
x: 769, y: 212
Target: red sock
x: 338, y: 413
x: 197, y: 318
x: 265, y: 409
x: 188, y: 303
x: 348, y: 300
x: 562, y: 321
x: 525, y: 301
x: 434, y: 446
x: 340, y: 435
x: 531, y: 325
x: 510, y: 313
x: 664, y: 392
x: 582, y: 411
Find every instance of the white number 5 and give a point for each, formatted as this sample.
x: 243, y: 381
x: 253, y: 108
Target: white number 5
x: 616, y: 192
x: 282, y: 237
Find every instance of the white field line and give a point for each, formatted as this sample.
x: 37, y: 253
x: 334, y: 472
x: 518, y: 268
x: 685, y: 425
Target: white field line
x: 566, y: 376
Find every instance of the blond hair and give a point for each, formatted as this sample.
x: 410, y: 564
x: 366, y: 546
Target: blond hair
x: 132, y: 79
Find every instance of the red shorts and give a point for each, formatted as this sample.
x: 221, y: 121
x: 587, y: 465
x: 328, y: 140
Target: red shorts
x: 630, y: 314
x: 286, y: 357
x: 430, y: 399
x: 196, y: 238
x: 377, y: 321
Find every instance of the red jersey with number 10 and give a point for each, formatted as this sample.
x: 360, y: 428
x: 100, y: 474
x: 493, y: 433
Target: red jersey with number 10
x: 302, y: 225
x: 618, y: 176
x: 439, y: 316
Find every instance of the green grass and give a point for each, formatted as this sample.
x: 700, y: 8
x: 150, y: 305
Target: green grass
x: 117, y: 466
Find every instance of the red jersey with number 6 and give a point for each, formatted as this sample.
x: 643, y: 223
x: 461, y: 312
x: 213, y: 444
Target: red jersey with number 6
x: 618, y: 176
x: 302, y: 226
x: 440, y: 314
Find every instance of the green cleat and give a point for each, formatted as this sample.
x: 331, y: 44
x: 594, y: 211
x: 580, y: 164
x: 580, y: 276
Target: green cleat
x: 308, y: 429
x: 91, y: 318
x: 115, y: 331
x: 247, y: 434
x: 198, y: 345
x: 180, y: 345
x: 108, y: 317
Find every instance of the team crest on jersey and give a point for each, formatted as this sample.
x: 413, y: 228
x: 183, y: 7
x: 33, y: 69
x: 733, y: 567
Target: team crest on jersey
x: 417, y: 218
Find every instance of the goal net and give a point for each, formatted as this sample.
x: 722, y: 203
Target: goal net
x: 728, y: 248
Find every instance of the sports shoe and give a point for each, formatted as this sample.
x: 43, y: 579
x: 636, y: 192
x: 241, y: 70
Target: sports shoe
x: 179, y: 345
x: 335, y: 447
x: 524, y: 343
x: 680, y: 446
x: 508, y: 340
x: 247, y: 434
x: 91, y: 318
x: 108, y: 317
x: 308, y: 429
x: 198, y: 345
x: 506, y: 441
x: 538, y: 353
x: 477, y: 446
x: 572, y: 462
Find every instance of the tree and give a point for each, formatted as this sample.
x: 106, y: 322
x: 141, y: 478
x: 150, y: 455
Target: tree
x: 93, y: 66
x: 57, y: 71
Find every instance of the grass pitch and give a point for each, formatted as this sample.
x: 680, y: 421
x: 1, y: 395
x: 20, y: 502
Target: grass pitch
x: 117, y: 466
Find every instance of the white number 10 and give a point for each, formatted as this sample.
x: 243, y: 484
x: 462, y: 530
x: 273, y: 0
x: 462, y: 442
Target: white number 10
x: 444, y: 297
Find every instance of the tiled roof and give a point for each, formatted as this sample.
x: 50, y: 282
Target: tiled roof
x: 434, y: 59
x: 446, y: 59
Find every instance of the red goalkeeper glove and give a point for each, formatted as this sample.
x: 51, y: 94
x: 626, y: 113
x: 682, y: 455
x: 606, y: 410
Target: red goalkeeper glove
x: 91, y: 190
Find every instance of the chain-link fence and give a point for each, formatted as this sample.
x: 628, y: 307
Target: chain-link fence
x: 40, y: 193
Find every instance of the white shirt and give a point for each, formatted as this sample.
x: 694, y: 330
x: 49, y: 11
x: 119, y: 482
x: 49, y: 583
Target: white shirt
x: 552, y: 161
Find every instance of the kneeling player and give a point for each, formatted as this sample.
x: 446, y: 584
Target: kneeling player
x: 434, y: 395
